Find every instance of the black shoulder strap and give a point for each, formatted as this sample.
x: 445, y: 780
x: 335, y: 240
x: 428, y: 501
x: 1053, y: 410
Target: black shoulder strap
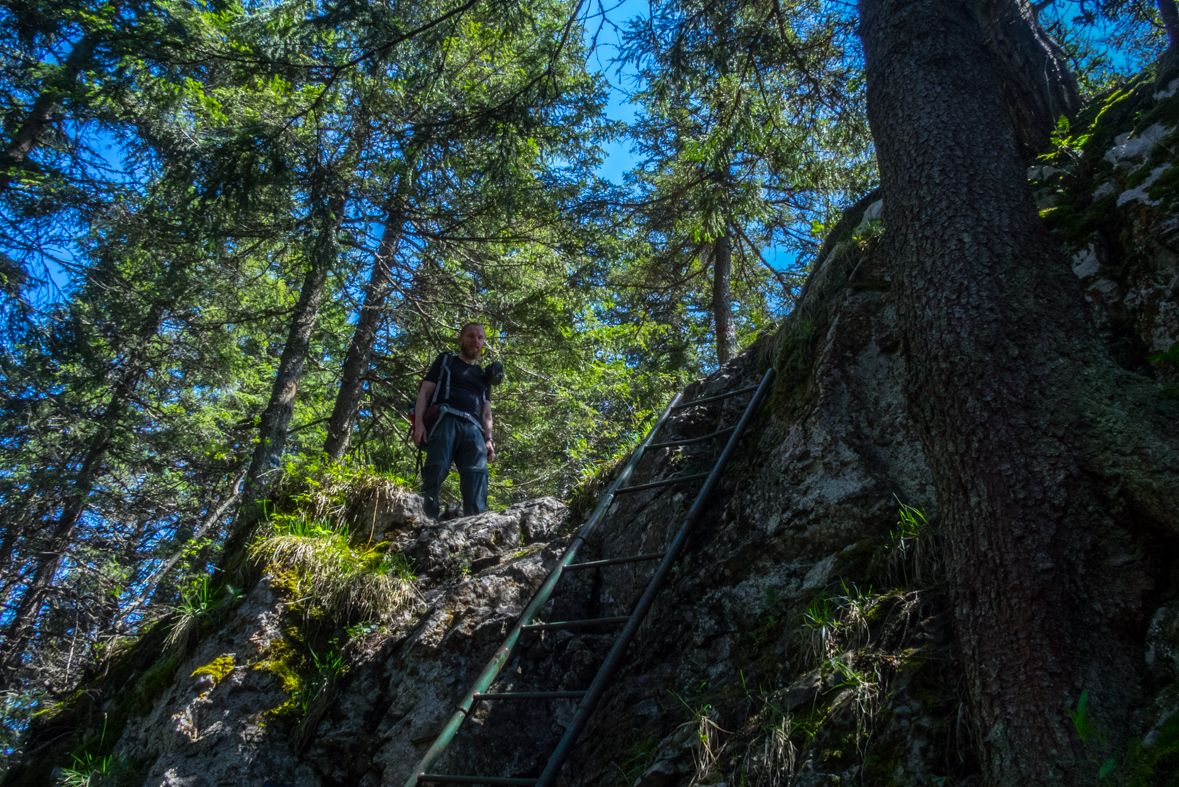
x: 445, y: 368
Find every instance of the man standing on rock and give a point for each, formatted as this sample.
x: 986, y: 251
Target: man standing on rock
x: 462, y: 432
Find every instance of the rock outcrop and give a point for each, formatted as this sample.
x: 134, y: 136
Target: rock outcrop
x: 803, y: 639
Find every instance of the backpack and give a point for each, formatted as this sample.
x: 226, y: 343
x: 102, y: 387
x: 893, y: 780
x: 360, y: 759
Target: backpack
x: 493, y: 375
x: 433, y: 410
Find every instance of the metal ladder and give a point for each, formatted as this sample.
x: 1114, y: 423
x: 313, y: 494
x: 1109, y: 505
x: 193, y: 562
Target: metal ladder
x: 614, y: 660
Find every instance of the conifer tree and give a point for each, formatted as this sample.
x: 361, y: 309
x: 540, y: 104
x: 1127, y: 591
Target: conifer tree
x: 744, y: 122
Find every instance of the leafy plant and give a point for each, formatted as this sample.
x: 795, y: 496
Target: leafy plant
x: 328, y: 668
x: 1087, y: 729
x: 866, y: 691
x: 707, y: 747
x: 831, y: 624
x: 913, y: 554
x: 1065, y: 148
x: 341, y: 494
x: 819, y: 623
x: 1091, y: 733
x: 91, y: 771
x: 198, y: 600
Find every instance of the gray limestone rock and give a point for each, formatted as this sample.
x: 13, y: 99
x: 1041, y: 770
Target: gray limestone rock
x: 1162, y: 643
x: 802, y: 522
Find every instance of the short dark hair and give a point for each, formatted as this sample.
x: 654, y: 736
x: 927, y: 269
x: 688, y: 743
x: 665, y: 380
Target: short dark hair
x: 468, y: 325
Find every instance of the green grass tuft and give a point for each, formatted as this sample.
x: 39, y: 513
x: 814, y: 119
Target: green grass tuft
x: 351, y: 584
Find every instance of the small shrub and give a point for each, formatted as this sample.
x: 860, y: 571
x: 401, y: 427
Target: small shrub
x: 585, y: 496
x: 339, y: 494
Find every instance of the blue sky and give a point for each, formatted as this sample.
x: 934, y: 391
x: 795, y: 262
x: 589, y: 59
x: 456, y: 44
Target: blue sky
x: 618, y: 156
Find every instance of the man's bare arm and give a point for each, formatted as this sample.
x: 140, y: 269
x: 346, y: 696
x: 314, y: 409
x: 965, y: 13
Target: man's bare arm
x: 419, y: 409
x: 487, y: 430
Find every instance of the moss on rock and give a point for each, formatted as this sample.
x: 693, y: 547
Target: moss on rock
x: 217, y: 668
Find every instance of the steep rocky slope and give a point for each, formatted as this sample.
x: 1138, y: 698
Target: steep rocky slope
x: 803, y: 639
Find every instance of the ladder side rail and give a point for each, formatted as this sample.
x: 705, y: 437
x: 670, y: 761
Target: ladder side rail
x: 500, y: 658
x: 607, y: 500
x: 613, y: 662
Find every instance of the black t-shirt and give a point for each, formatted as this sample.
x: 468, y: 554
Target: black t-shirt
x: 467, y: 389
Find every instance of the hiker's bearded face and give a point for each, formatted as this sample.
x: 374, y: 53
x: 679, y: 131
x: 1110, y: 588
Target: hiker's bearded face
x: 472, y: 342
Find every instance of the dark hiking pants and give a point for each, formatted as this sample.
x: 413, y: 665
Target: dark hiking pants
x: 457, y: 440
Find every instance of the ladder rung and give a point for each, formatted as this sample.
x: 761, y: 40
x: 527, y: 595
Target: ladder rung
x: 447, y: 779
x: 573, y: 624
x: 532, y: 695
x: 615, y: 560
x: 693, y: 440
x: 666, y: 482
x: 738, y: 392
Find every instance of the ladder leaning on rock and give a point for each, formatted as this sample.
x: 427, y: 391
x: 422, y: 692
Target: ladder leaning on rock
x: 614, y: 661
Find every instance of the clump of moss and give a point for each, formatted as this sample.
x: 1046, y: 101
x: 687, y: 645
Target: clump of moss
x: 1138, y: 177
x: 637, y: 758
x: 796, y: 358
x: 1165, y: 188
x: 286, y: 662
x: 1076, y: 225
x: 882, y: 764
x: 217, y: 668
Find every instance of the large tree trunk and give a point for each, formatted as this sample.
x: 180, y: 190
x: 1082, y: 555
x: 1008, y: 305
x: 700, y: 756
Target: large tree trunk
x: 1038, y: 87
x: 1170, y: 15
x: 32, y: 130
x: 722, y: 299
x: 356, y: 361
x: 266, y: 462
x: 1056, y: 471
x: 21, y: 628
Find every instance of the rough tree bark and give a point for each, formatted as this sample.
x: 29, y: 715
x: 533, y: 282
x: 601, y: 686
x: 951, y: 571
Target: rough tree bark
x: 1170, y: 16
x: 266, y: 463
x: 1038, y: 86
x: 339, y: 433
x: 1057, y: 472
x: 722, y: 304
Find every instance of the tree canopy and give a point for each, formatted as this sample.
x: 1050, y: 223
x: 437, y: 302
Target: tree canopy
x: 234, y: 235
